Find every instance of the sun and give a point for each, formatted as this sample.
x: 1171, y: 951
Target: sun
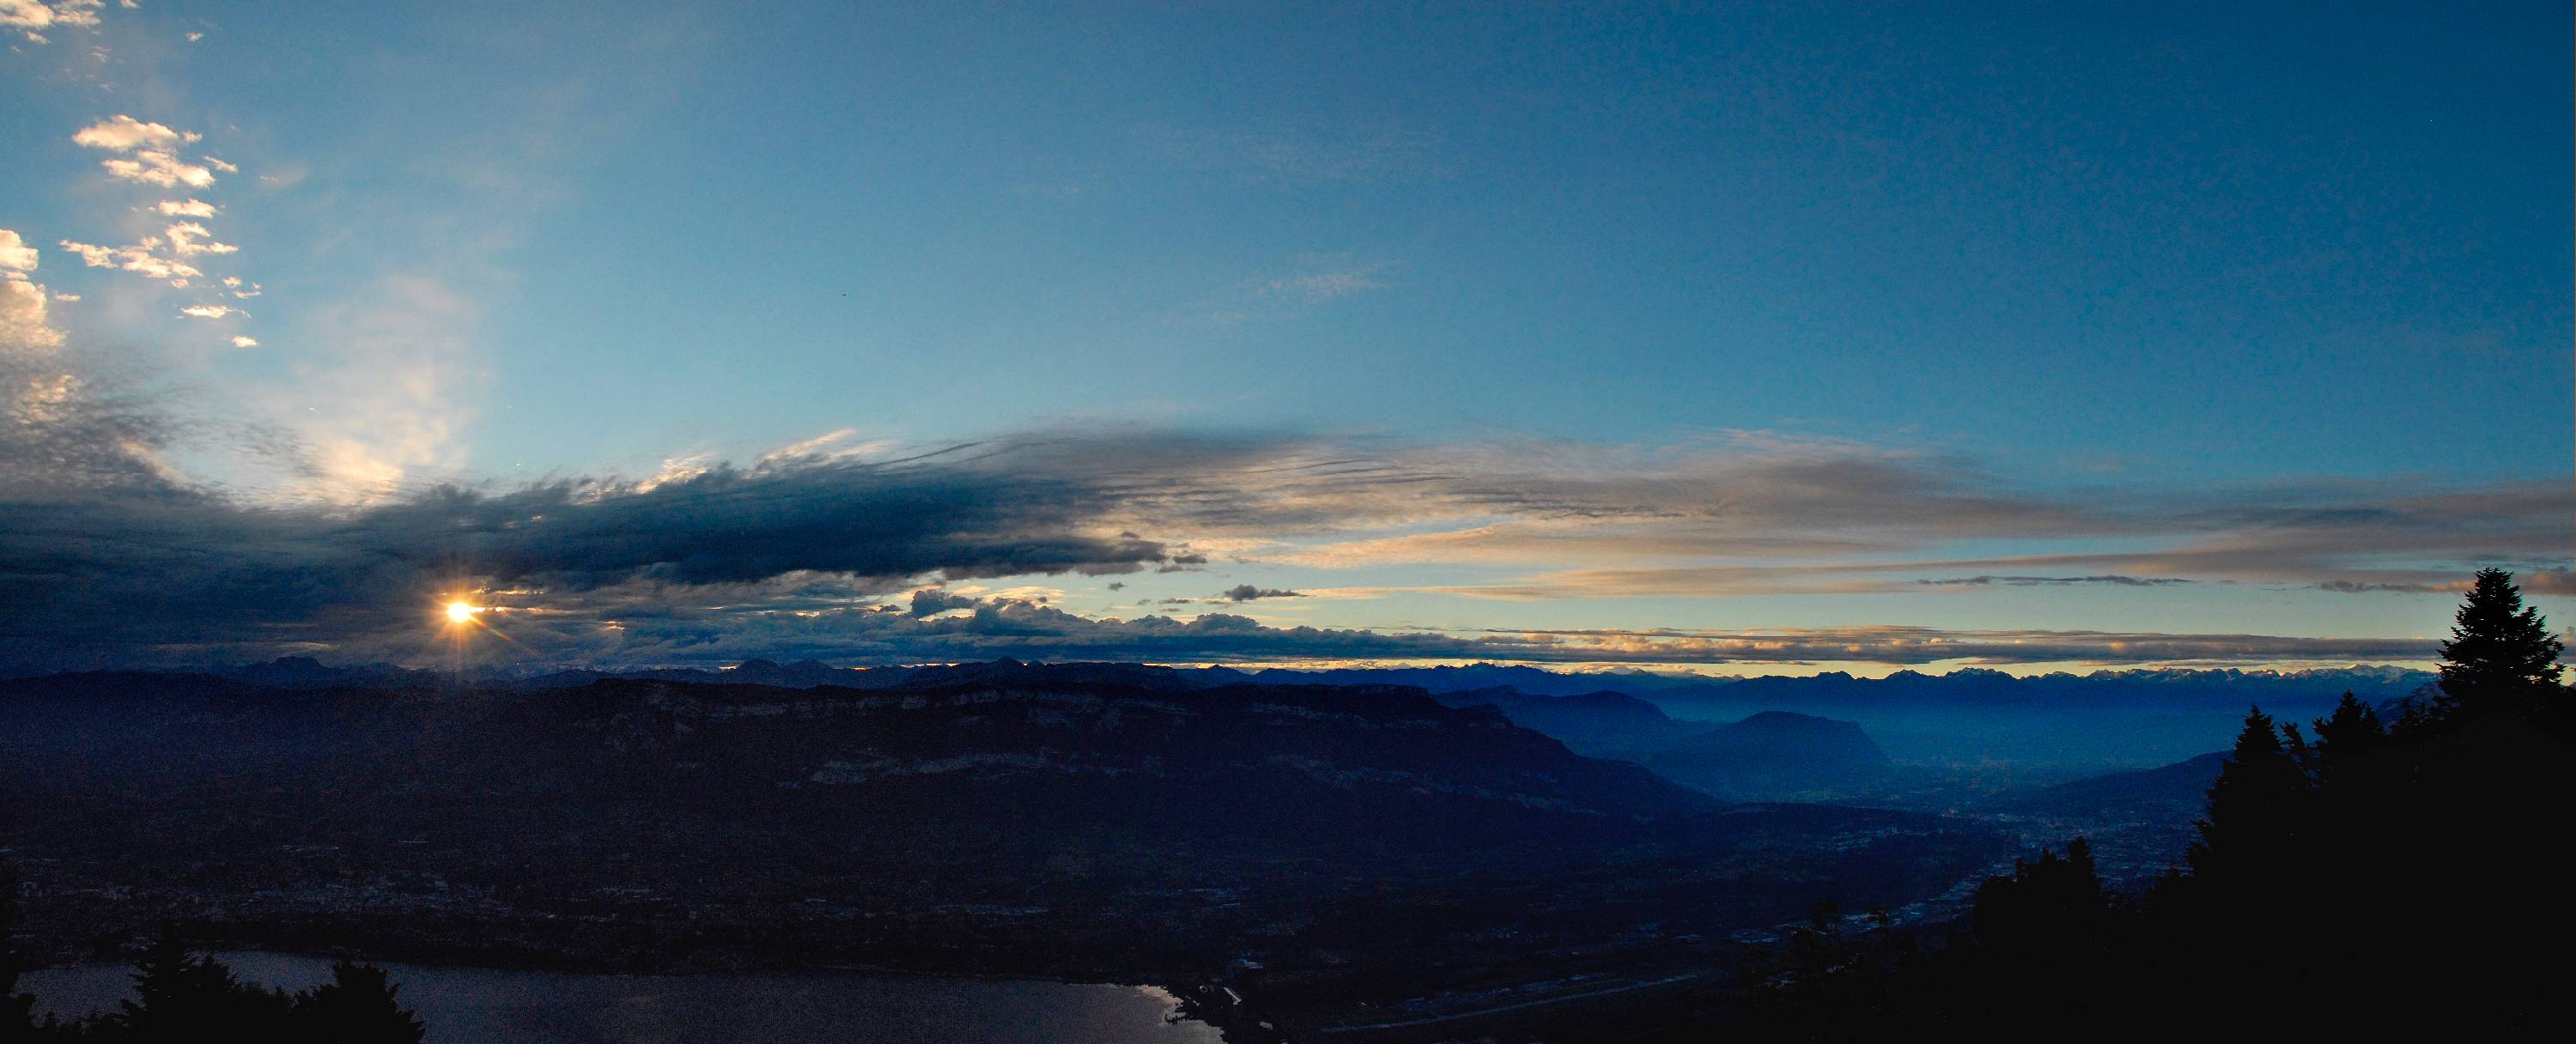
x: 459, y: 612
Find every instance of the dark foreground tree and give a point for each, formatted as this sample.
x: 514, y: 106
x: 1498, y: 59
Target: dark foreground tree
x: 17, y: 1010
x: 357, y: 1006
x: 180, y: 996
x: 185, y: 996
x: 2501, y: 655
x: 2383, y: 882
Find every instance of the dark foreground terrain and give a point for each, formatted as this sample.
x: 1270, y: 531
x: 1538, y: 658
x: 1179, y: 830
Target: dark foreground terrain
x: 1339, y: 851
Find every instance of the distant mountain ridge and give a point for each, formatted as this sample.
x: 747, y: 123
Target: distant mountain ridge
x: 2375, y: 683
x: 1769, y: 756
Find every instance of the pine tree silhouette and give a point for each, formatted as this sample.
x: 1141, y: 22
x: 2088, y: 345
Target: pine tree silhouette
x: 183, y: 998
x: 2501, y: 654
x: 2256, y: 809
x: 357, y: 1006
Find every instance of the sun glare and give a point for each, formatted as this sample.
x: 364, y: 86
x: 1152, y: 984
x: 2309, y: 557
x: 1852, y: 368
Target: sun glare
x: 459, y: 612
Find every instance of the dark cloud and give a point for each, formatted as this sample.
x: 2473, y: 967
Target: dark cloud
x: 930, y: 600
x: 106, y: 572
x: 1247, y: 592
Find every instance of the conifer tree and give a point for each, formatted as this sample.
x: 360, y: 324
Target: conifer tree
x: 358, y: 1006
x: 2255, y: 809
x: 2501, y: 654
x: 183, y: 998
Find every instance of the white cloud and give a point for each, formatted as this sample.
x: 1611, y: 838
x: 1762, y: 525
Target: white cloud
x: 15, y: 255
x: 153, y: 167
x: 220, y: 165
x: 122, y: 133
x: 28, y: 16
x: 23, y: 326
x: 240, y: 341
x: 189, y: 238
x: 67, y: 297
x: 140, y: 258
x: 25, y: 14
x: 153, y: 158
x: 211, y: 311
x: 196, y: 208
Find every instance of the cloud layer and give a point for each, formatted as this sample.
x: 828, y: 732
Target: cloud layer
x: 840, y: 553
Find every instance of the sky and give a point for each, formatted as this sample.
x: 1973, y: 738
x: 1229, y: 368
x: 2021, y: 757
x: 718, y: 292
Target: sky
x: 1742, y: 338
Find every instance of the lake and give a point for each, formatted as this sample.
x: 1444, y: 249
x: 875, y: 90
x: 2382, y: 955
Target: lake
x: 479, y: 1004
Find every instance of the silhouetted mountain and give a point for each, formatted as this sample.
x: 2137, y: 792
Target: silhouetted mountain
x: 305, y: 672
x: 1531, y: 680
x: 1600, y: 724
x: 1774, y: 754
x: 2175, y: 792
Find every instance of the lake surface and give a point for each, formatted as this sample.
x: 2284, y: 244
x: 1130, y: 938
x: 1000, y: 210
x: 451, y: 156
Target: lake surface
x: 476, y: 1005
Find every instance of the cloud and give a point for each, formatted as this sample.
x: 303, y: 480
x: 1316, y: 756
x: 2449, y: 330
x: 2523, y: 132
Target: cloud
x: 141, y: 258
x: 2055, y: 581
x: 122, y: 133
x: 28, y: 17
x: 188, y: 237
x: 241, y: 341
x: 126, y: 562
x: 995, y: 627
x: 383, y: 406
x: 159, y: 168
x: 24, y: 326
x: 16, y: 257
x: 211, y: 311
x: 151, y: 152
x: 1247, y: 592
x: 186, y: 208
x: 827, y: 554
x: 1326, y: 284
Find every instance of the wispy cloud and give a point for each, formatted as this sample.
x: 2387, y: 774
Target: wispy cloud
x: 1320, y: 154
x: 189, y: 237
x: 143, y: 257
x: 1328, y: 282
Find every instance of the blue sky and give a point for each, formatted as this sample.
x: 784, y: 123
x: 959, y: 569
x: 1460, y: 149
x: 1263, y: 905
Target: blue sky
x: 1743, y: 318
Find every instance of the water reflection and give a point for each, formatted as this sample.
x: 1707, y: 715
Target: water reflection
x: 478, y: 1004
